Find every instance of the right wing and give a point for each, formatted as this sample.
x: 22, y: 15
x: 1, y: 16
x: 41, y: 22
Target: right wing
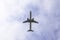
x: 25, y: 21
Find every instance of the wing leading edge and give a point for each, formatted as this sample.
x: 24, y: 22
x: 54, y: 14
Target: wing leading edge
x: 30, y: 21
x: 25, y: 21
x: 34, y: 21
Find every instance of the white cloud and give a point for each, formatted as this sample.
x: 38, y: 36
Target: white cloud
x: 13, y: 29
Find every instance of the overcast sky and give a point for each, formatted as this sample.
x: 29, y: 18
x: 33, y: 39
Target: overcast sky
x: 14, y: 12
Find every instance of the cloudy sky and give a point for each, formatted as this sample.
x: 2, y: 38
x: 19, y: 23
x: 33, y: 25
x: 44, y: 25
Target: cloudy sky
x: 14, y: 12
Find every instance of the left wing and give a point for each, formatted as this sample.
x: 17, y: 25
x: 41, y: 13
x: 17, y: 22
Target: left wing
x: 35, y: 21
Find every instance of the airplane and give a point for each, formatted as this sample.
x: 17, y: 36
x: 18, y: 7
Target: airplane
x: 30, y: 20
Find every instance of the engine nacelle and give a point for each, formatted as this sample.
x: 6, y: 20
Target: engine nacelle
x: 28, y: 19
x: 33, y: 19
